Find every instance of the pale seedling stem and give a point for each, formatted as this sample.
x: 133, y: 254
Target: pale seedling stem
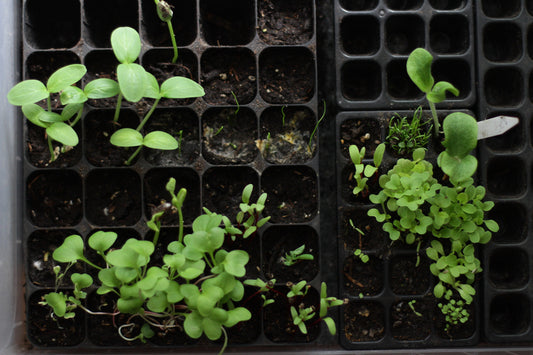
x: 173, y: 39
x: 117, y: 110
x: 435, y: 118
x: 145, y: 119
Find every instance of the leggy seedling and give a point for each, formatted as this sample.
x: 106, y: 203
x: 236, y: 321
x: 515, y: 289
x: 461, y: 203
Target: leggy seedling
x: 165, y: 14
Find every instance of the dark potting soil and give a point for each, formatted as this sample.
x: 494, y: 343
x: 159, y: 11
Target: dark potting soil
x: 54, y: 198
x: 38, y: 152
x: 277, y: 321
x: 45, y: 330
x: 182, y: 124
x: 229, y: 137
x: 373, y: 239
x: 406, y: 324
x: 40, y: 247
x: 408, y: 279
x: 292, y: 194
x: 278, y: 241
x: 285, y: 22
x: 364, y: 321
x: 362, y: 133
x: 225, y: 71
x: 363, y: 278
x: 248, y: 331
x: 164, y: 71
x: 99, y: 127
x: 349, y: 183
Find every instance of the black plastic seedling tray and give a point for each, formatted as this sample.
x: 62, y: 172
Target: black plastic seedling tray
x: 226, y: 56
x: 374, y: 38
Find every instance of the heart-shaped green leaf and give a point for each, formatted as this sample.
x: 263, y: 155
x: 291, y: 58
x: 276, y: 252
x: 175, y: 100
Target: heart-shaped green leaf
x: 70, y: 251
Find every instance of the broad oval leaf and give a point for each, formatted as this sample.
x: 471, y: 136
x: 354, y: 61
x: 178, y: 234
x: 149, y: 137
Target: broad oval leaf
x: 101, y: 241
x: 131, y: 80
x: 72, y: 95
x: 27, y: 92
x: 49, y: 117
x: 71, y: 250
x: 70, y: 110
x: 460, y: 134
x: 66, y: 76
x: 181, y: 88
x: 438, y: 93
x: 127, y: 137
x: 63, y: 133
x: 32, y: 112
x: 236, y: 315
x: 108, y: 278
x: 81, y: 280
x: 101, y: 88
x: 126, y: 44
x: 152, y: 87
x: 419, y: 69
x: 160, y: 140
x: 193, y: 325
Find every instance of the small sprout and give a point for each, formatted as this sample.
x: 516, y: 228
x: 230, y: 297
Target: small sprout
x: 300, y: 316
x: 299, y: 289
x: 283, y: 116
x: 316, y: 127
x: 404, y: 136
x: 165, y: 14
x: 295, y: 256
x: 365, y: 171
x: 362, y: 256
x: 412, y: 306
x: 218, y: 131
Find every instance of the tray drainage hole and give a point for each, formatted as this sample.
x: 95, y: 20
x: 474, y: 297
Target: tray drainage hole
x: 511, y: 217
x: 503, y: 87
x: 501, y: 8
x: 399, y: 86
x: 404, y: 4
x: 510, y: 314
x: 364, y: 321
x: 404, y: 33
x: 361, y: 80
x: 52, y: 24
x: 508, y: 268
x: 359, y: 5
x: 448, y: 4
x: 360, y: 35
x: 506, y: 176
x: 449, y: 34
x: 502, y: 42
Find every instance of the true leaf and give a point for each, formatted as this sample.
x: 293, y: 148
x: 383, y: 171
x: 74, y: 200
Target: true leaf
x: 438, y: 93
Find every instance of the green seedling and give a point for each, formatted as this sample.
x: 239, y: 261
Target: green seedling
x: 249, y: 214
x: 454, y: 311
x: 405, y: 136
x: 365, y: 171
x: 295, y: 256
x: 128, y: 137
x: 165, y: 14
x: 316, y: 128
x: 362, y: 256
x: 419, y: 70
x: 28, y: 92
x: 327, y: 302
x: 412, y: 306
x: 283, y: 116
x: 180, y: 141
x: 300, y: 316
x: 299, y: 289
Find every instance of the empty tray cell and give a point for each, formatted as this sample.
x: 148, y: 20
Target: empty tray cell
x: 448, y: 4
x: 404, y: 33
x: 99, y: 126
x: 364, y: 321
x: 511, y: 217
x: 184, y: 23
x: 103, y: 16
x: 40, y: 264
x: 54, y: 198
x: 404, y: 4
x: 285, y: 22
x: 502, y: 42
x: 501, y: 8
x: 282, y: 68
x: 222, y: 189
x: 406, y: 325
x: 504, y: 86
x: 448, y: 34
x: 46, y: 330
x: 285, y: 134
x: 510, y: 314
x: 113, y: 197
x: 40, y: 65
x: 406, y: 278
x: 363, y: 132
x: 363, y: 278
x: 360, y: 35
x: 359, y: 5
x: 399, y: 85
x: 182, y: 124
x: 361, y: 80
x: 511, y: 141
x: 506, y: 176
x: 157, y: 198
x: 227, y: 70
x: 229, y: 136
x: 278, y: 241
x: 508, y: 268
x: 52, y: 24
x: 231, y: 24
x: 457, y: 72
x: 292, y: 193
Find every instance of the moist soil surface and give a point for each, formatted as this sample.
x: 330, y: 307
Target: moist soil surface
x: 373, y: 238
x: 365, y: 278
x: 406, y: 277
x: 38, y: 152
x: 364, y: 321
x: 406, y: 324
x: 362, y: 133
x: 285, y: 22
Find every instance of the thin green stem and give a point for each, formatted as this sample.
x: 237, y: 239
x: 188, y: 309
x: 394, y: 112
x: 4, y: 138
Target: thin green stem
x: 117, y: 110
x: 225, y: 345
x: 156, y: 238
x: 134, y: 155
x: 49, y: 103
x: 435, y: 118
x: 316, y: 127
x: 180, y: 235
x: 145, y: 119
x: 51, y: 148
x: 173, y: 39
x: 91, y: 264
x: 80, y: 112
